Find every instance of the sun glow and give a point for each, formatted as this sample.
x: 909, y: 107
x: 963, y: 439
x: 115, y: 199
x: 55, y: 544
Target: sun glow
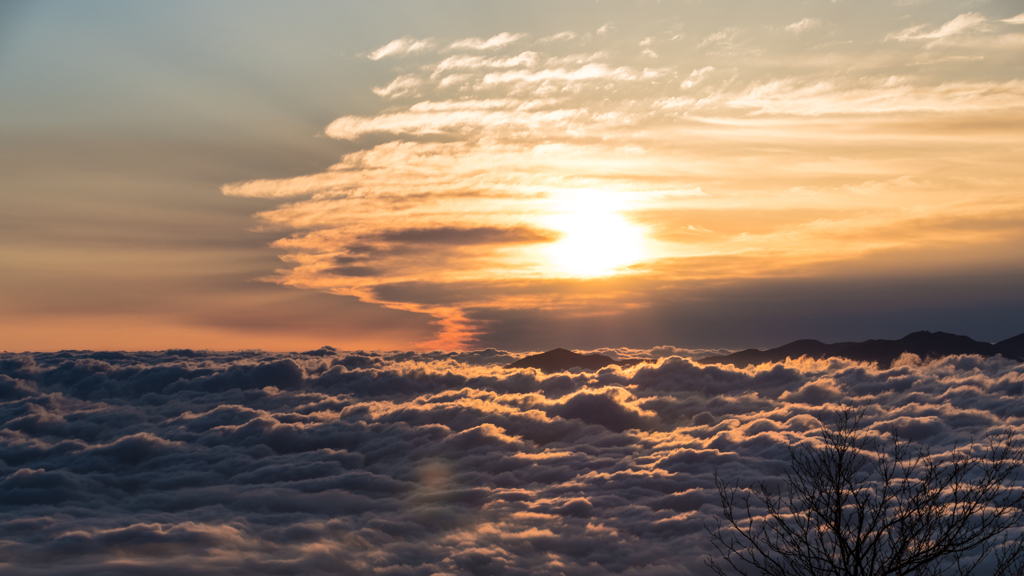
x: 594, y: 243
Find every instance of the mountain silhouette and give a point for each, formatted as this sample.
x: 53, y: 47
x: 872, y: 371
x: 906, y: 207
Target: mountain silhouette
x: 1012, y: 347
x: 560, y: 359
x: 884, y: 352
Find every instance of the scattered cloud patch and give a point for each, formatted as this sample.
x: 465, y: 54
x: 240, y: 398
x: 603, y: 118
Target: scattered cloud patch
x: 496, y: 41
x: 463, y: 62
x: 722, y: 37
x: 401, y: 47
x: 567, y: 35
x: 802, y: 25
x: 406, y: 85
x: 696, y: 77
x: 877, y: 96
x: 959, y: 25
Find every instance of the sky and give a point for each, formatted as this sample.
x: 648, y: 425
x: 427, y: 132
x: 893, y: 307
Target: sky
x: 464, y: 175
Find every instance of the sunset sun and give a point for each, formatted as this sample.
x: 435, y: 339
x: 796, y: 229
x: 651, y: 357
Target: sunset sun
x: 594, y: 244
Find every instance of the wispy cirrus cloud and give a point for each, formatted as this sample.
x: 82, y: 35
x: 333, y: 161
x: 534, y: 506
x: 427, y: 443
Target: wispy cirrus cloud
x: 696, y: 77
x: 566, y: 35
x: 463, y: 62
x: 802, y: 25
x: 960, y: 25
x: 407, y: 85
x: 969, y: 30
x: 497, y: 41
x: 883, y: 96
x: 401, y: 47
x: 721, y: 38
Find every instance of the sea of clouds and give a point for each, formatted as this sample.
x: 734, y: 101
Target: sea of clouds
x: 183, y: 462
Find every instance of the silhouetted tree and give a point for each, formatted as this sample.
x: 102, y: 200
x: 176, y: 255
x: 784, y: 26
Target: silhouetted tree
x: 861, y: 506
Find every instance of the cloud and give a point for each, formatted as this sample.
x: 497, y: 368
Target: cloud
x: 563, y: 77
x: 885, y: 96
x: 406, y: 85
x: 696, y: 77
x: 405, y: 462
x: 484, y: 235
x: 1018, y: 19
x: 496, y: 41
x: 723, y: 37
x: 959, y: 25
x: 566, y: 35
x: 463, y: 62
x: 401, y: 47
x: 802, y: 25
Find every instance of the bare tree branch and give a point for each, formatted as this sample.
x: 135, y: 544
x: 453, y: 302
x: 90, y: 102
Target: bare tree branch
x: 857, y: 506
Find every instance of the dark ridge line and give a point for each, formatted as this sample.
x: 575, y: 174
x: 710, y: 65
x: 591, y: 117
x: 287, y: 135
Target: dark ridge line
x: 560, y: 360
x: 925, y: 344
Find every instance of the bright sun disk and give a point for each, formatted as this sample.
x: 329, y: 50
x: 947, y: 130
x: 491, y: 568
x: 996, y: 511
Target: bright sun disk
x: 594, y: 243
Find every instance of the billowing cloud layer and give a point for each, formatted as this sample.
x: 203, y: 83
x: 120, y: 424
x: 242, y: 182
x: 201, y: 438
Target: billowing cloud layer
x: 185, y: 462
x: 656, y: 159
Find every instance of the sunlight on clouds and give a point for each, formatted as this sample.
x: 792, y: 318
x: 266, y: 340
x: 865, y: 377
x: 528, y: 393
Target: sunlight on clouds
x: 499, y: 179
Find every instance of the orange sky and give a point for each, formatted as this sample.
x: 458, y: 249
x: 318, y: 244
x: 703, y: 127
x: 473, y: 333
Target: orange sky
x: 645, y: 163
